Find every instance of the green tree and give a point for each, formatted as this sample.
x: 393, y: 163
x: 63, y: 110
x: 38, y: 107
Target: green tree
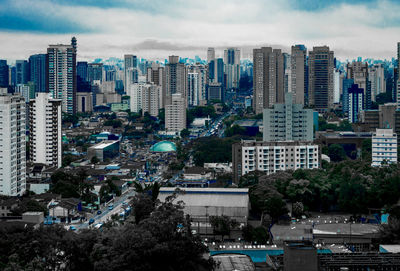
x: 336, y: 153
x: 223, y: 225
x: 235, y: 130
x: 185, y: 133
x: 94, y: 160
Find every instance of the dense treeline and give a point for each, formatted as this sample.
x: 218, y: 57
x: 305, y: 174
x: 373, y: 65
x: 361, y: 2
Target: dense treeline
x: 213, y: 150
x: 162, y: 240
x: 349, y: 186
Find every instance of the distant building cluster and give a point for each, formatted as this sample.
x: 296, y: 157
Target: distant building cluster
x: 288, y: 89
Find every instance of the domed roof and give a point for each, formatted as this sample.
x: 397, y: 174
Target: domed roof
x: 163, y: 146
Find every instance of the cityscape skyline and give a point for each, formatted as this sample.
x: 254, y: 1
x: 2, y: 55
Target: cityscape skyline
x: 155, y: 30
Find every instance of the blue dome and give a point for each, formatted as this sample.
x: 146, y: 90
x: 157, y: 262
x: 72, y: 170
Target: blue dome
x: 164, y: 146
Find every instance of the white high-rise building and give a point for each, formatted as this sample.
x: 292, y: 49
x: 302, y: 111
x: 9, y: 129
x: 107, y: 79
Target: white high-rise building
x: 151, y: 99
x: 175, y: 114
x: 130, y: 65
x: 384, y: 147
x: 45, y: 130
x: 12, y: 144
x: 336, y: 86
x: 196, y: 85
x: 377, y: 78
x: 135, y: 93
x: 145, y: 97
x: 193, y: 89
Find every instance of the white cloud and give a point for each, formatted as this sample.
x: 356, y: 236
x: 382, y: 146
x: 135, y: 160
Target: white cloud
x: 191, y: 26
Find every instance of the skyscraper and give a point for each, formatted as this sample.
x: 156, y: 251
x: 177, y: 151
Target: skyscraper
x: 321, y: 67
x: 95, y: 72
x: 22, y: 72
x: 268, y: 78
x: 358, y: 71
x: 232, y: 67
x: 45, y: 130
x: 37, y: 65
x: 347, y: 83
x: 13, y: 145
x: 175, y: 79
x: 4, y: 74
x: 377, y: 77
x: 156, y: 75
x: 193, y: 88
x: 210, y: 54
x: 356, y: 102
x: 196, y: 86
x: 130, y: 63
x: 299, y: 74
x: 82, y: 70
x: 61, y: 75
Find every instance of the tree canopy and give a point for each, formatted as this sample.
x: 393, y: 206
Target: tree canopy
x: 348, y: 186
x: 161, y: 241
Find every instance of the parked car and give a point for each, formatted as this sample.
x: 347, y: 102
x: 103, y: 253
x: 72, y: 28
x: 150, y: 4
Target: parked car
x: 99, y: 212
x: 110, y: 207
x: 91, y: 221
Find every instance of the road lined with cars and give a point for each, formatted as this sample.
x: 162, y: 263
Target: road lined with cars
x: 117, y: 206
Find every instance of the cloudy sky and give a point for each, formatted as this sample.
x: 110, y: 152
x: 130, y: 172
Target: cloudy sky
x: 157, y: 28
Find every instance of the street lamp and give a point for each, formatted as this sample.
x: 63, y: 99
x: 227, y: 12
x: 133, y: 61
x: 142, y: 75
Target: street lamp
x: 206, y: 220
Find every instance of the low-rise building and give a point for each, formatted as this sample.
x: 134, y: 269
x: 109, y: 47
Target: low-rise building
x: 271, y: 157
x: 104, y: 150
x: 202, y: 203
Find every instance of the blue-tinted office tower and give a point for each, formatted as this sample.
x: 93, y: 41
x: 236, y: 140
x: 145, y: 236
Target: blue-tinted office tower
x: 3, y: 73
x: 37, y: 64
x: 13, y: 72
x: 220, y: 71
x: 22, y: 72
x: 347, y: 83
x: 82, y: 70
x: 211, y: 70
x: 356, y: 102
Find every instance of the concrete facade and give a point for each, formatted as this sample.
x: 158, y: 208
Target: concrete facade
x: 12, y: 144
x: 384, y: 147
x: 288, y: 121
x: 45, y: 130
x: 271, y: 157
x: 321, y: 69
x: 268, y: 78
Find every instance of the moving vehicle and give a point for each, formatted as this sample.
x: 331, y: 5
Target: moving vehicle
x: 91, y: 221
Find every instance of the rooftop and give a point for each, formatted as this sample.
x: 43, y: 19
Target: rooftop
x: 103, y: 144
x: 163, y: 146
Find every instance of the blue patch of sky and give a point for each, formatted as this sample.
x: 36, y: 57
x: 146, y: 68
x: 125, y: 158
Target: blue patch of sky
x: 318, y: 5
x: 40, y: 24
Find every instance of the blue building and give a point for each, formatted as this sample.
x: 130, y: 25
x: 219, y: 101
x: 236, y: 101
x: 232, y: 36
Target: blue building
x: 356, y: 102
x: 347, y: 83
x: 37, y: 64
x: 82, y: 71
x: 3, y: 73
